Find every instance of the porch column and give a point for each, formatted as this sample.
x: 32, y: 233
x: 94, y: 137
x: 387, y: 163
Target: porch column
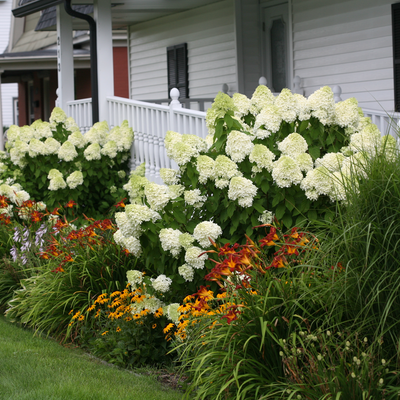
x: 102, y: 16
x: 65, y: 58
x: 1, y: 117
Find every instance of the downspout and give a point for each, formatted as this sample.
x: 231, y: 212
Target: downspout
x: 93, y: 57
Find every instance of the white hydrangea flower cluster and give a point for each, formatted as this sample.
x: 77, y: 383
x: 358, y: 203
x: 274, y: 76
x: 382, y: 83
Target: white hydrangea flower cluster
x: 135, y: 278
x: 67, y: 151
x: 56, y: 180
x: 205, y: 166
x: 267, y: 217
x: 219, y: 107
x: 186, y: 272
x: 92, y: 152
x: 243, y: 190
x: 149, y: 302
x: 75, y: 179
x: 186, y: 240
x: 317, y: 182
x: 242, y: 105
x: 161, y: 283
x: 263, y: 157
x: 109, y: 149
x: 288, y: 105
x: 322, y: 105
x: 293, y: 145
x: 286, y: 172
x: 14, y: 192
x: 194, y: 198
x: 36, y: 147
x: 347, y: 113
x: 182, y: 148
x: 157, y: 196
x: 206, y: 230
x: 130, y: 226
x: 238, y: 146
x: 170, y: 241
x: 195, y: 257
x: 224, y: 170
x: 172, y: 313
x: 51, y: 146
x: 77, y: 139
x: 169, y: 176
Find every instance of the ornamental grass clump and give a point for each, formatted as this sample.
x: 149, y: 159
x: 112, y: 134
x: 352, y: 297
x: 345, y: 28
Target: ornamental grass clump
x: 326, y: 364
x: 53, y: 162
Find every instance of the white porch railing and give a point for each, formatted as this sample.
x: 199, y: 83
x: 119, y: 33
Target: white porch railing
x: 150, y: 123
x: 81, y: 112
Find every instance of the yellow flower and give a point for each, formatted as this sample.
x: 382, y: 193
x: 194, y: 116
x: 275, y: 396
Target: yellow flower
x: 81, y: 318
x: 168, y: 327
x: 104, y: 333
x: 70, y: 312
x: 154, y: 326
x: 118, y: 329
x: 92, y: 307
x: 76, y: 315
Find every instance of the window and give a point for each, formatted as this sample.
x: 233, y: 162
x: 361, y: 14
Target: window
x: 396, y: 53
x: 178, y: 69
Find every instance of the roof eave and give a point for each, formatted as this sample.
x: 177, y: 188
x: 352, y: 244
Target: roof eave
x: 33, y: 7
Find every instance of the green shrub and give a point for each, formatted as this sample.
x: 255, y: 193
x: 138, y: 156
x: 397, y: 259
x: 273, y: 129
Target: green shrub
x: 53, y: 162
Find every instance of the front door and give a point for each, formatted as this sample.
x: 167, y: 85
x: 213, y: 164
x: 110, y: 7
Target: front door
x: 276, y: 46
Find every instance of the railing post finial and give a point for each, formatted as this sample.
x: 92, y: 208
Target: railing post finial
x: 297, y: 85
x: 262, y: 81
x: 174, y: 93
x: 337, y: 91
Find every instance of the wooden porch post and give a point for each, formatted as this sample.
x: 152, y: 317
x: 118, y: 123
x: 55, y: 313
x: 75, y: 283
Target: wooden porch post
x: 102, y: 16
x: 65, y: 58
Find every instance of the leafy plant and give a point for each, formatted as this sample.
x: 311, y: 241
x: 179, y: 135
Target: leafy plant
x: 54, y: 162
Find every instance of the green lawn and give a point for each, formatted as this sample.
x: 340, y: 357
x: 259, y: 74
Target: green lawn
x: 36, y: 368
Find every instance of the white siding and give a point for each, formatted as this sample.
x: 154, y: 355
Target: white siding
x: 8, y: 91
x: 346, y: 43
x: 209, y: 34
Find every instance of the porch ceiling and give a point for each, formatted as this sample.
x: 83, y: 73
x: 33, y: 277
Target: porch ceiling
x: 124, y: 13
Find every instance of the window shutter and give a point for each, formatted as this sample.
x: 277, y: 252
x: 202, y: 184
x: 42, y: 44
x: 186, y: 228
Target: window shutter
x: 178, y: 69
x: 396, y: 53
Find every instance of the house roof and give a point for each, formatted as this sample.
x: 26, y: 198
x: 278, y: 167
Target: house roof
x: 48, y: 19
x: 124, y: 13
x: 13, y: 63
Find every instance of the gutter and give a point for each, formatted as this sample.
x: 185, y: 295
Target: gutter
x: 93, y: 57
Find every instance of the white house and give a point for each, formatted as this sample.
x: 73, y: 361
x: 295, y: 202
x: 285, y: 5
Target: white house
x: 8, y: 91
x: 202, y: 46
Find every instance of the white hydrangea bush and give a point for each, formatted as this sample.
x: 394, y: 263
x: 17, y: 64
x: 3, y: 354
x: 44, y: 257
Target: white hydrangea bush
x: 54, y: 162
x: 268, y: 157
